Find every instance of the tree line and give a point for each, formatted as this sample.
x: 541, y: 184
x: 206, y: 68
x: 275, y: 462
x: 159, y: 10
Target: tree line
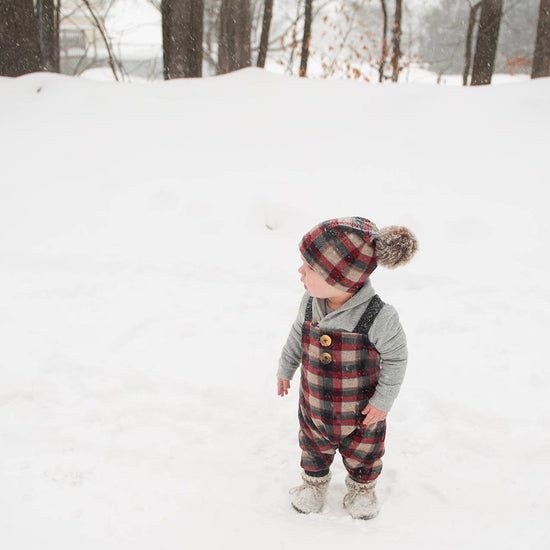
x: 29, y: 35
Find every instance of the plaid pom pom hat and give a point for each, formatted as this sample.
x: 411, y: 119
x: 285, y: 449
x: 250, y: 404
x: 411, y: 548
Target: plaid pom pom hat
x: 345, y: 251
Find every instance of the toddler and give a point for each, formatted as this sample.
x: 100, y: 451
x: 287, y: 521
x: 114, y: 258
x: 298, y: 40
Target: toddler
x: 353, y: 353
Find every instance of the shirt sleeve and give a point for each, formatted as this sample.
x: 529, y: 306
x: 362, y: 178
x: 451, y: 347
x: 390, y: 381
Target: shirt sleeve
x: 388, y: 337
x: 291, y: 354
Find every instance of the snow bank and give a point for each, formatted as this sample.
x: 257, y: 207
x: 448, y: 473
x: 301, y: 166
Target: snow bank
x: 148, y: 245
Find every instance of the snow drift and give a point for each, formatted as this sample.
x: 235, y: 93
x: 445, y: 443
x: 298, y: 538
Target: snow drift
x: 148, y: 246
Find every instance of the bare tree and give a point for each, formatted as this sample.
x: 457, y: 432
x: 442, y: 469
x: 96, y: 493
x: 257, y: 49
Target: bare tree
x: 266, y: 24
x: 486, y: 43
x: 47, y: 12
x: 19, y: 41
x: 343, y: 39
x: 384, y: 41
x: 469, y: 36
x: 541, y: 58
x: 96, y: 13
x: 293, y: 30
x: 116, y: 66
x: 306, y: 38
x: 396, y: 40
x: 182, y: 33
x: 234, y: 36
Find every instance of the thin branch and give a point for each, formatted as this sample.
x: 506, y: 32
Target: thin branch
x: 343, y: 42
x: 83, y: 58
x: 115, y: 58
x: 105, y: 39
x: 297, y: 19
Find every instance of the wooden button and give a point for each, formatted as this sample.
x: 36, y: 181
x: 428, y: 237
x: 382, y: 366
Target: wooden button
x: 326, y: 358
x: 325, y: 340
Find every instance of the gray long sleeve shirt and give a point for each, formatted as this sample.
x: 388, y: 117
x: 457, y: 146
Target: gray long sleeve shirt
x: 386, y: 335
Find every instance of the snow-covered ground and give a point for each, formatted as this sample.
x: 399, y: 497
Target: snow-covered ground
x: 148, y: 279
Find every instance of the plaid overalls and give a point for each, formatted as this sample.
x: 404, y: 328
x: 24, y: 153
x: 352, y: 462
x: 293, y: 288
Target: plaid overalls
x: 339, y: 374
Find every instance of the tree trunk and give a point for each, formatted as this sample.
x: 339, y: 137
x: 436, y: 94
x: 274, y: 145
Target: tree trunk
x: 469, y: 36
x: 268, y: 12
x: 541, y: 58
x: 307, y: 37
x: 396, y: 53
x: 166, y: 16
x: 48, y: 29
x: 182, y: 32
x: 384, y: 42
x: 486, y: 43
x: 234, y: 36
x: 19, y: 42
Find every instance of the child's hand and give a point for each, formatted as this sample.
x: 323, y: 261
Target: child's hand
x: 282, y: 386
x: 374, y: 415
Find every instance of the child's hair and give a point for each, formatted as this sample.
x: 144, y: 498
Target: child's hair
x: 345, y: 251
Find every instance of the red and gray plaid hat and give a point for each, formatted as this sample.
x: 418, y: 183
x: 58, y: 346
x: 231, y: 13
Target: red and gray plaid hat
x: 345, y: 251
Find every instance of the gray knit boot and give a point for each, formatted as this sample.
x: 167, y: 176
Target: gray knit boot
x: 311, y: 495
x: 361, y: 501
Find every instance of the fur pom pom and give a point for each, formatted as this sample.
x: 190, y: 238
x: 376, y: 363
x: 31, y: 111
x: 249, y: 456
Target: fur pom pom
x: 395, y: 245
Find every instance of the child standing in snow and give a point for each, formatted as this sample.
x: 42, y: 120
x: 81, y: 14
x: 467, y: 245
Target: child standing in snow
x: 353, y: 353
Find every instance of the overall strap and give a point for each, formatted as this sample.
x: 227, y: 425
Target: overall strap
x: 309, y: 309
x: 368, y: 317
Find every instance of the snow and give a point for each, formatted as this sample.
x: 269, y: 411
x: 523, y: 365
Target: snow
x: 148, y: 254
x: 136, y: 29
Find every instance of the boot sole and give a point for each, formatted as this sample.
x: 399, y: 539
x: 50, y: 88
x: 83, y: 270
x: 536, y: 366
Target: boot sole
x: 366, y: 517
x: 302, y: 512
x: 298, y: 510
